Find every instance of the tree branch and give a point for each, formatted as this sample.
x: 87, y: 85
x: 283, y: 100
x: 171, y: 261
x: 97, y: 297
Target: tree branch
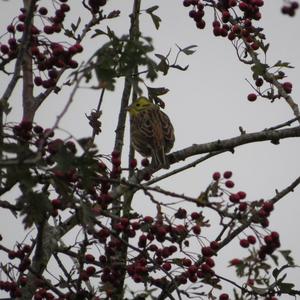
x: 229, y: 144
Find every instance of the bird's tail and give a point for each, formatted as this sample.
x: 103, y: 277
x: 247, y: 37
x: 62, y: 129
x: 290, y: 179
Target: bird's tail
x: 159, y: 158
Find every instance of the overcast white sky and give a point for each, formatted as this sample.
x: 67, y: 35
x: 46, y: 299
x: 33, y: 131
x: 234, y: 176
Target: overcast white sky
x: 205, y: 103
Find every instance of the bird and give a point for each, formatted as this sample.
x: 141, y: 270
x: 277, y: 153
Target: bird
x: 152, y: 133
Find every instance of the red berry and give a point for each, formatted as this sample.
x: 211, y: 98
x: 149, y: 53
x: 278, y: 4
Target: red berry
x: 275, y: 236
x: 231, y: 36
x: 4, y: 49
x: 224, y: 297
x: 89, y: 258
x: 148, y: 219
x: 287, y: 86
x: 79, y: 48
x: 196, y: 229
x: 10, y: 28
x: 48, y: 29
x: 90, y: 270
x: 207, y: 251
x: 195, y: 215
x: 259, y: 82
x: 56, y: 203
x: 210, y: 262
x: 167, y: 266
x: 186, y: 3
x: 20, y: 27
x: 73, y: 64
x: 268, y: 206
x: 186, y: 262
x: 242, y: 195
x: 216, y: 24
x: 294, y: 5
x: 254, y: 46
x: 252, y: 97
x: 133, y: 163
x: 229, y: 184
x: 225, y: 16
x: 201, y: 24
x: 243, y: 6
x: 227, y: 174
x: 243, y: 206
x: 215, y: 245
x: 234, y: 198
x: 43, y: 11
x: 251, y: 239
x: 244, y: 243
x: 145, y: 162
x: 65, y: 7
x: 235, y: 262
x: 216, y: 176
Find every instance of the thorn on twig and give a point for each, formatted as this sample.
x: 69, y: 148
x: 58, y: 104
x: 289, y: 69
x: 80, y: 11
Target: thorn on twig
x: 242, y: 131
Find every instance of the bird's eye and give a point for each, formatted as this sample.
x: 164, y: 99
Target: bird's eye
x: 138, y: 104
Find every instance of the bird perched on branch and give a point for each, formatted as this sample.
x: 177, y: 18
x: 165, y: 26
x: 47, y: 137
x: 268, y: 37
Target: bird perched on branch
x: 152, y: 133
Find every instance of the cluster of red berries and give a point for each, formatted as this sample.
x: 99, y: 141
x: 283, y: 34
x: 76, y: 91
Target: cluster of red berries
x: 272, y: 243
x: 228, y: 24
x: 290, y: 8
x: 47, y: 55
x: 116, y: 164
x: 287, y: 87
x: 197, y: 13
x: 226, y: 175
x: 14, y: 288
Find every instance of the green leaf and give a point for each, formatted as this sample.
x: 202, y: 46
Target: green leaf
x: 189, y: 50
x: 283, y: 64
x: 264, y: 48
x: 286, y: 287
x: 35, y: 207
x: 258, y: 69
x: 156, y: 20
x: 287, y: 256
x: 180, y: 67
x: 275, y: 259
x: 157, y: 91
x: 275, y: 273
x: 75, y: 26
x: 163, y: 66
x: 152, y: 9
x: 98, y: 32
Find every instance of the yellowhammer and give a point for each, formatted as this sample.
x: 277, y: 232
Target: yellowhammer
x: 152, y: 133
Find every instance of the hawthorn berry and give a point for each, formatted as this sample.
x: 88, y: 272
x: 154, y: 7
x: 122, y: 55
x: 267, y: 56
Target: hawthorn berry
x: 216, y: 176
x: 196, y: 229
x: 207, y: 251
x: 252, y: 97
x: 167, y: 266
x: 251, y: 239
x: 244, y: 243
x: 145, y: 162
x: 227, y: 174
x: 229, y: 184
x: 224, y: 297
x: 287, y: 86
x: 235, y: 262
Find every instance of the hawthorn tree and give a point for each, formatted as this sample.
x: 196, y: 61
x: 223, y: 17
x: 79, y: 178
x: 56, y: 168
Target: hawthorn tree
x: 83, y: 238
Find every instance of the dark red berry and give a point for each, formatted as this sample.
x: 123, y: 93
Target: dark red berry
x: 244, y: 243
x: 216, y: 176
x: 252, y: 97
x: 227, y: 174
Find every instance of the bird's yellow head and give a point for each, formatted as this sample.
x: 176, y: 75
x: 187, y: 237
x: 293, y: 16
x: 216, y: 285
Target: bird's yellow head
x: 139, y: 105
